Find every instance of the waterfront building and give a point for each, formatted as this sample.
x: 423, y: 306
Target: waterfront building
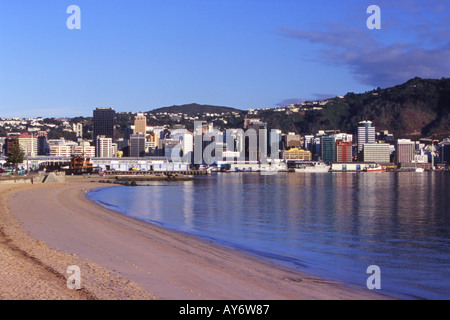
x: 256, y: 141
x: 187, y: 146
x: 84, y: 149
x: 297, y: 154
x: 344, y: 151
x: 376, y: 152
x: 405, y: 150
x: 137, y: 145
x: 366, y: 134
x: 275, y: 143
x: 105, y: 147
x: 61, y: 147
x: 60, y: 150
x: 328, y: 149
x: 172, y: 152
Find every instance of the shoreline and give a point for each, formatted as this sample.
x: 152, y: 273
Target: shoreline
x: 121, y: 257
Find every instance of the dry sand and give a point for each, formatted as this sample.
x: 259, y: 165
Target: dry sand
x: 47, y: 227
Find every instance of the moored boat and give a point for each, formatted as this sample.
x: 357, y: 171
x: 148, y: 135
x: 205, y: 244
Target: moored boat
x: 313, y: 167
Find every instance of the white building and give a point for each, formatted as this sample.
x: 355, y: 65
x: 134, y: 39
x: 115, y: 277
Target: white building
x: 366, y: 134
x: 28, y: 145
x: 84, y: 149
x: 60, y: 151
x: 105, y: 148
x: 376, y: 152
x: 78, y: 129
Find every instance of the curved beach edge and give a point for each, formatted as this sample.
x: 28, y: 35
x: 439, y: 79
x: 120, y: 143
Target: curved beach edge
x: 48, y: 227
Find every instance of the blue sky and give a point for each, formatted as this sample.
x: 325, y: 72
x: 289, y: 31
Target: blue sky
x: 137, y: 55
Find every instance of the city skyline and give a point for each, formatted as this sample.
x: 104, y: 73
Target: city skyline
x: 140, y: 55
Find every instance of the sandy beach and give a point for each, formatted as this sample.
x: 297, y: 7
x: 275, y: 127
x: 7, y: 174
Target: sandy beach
x: 47, y: 227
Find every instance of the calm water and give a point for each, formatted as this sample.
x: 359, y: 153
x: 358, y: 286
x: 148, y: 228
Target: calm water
x: 328, y: 224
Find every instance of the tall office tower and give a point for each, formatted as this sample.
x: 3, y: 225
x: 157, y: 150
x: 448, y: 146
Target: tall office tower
x: 188, y: 147
x: 256, y: 141
x: 366, y: 134
x: 137, y: 145
x: 104, y: 123
x: 328, y: 149
x: 343, y: 151
x: 140, y: 124
x: 405, y: 149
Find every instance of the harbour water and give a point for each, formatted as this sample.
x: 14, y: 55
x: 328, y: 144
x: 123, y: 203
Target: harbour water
x: 333, y: 225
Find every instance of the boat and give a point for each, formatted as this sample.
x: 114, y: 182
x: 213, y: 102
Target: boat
x: 419, y: 170
x: 313, y: 167
x: 377, y: 168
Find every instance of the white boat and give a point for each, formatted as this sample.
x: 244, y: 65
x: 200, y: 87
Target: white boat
x: 313, y: 167
x: 420, y: 170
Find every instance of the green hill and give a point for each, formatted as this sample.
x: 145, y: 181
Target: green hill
x: 417, y: 108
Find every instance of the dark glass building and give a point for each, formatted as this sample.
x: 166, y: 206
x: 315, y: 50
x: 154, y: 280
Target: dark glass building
x: 104, y: 123
x: 328, y: 149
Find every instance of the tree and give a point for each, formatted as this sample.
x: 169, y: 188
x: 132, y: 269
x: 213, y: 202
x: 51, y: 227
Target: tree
x: 15, y: 156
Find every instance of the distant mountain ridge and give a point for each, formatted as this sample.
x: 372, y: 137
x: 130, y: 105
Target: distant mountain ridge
x: 194, y: 109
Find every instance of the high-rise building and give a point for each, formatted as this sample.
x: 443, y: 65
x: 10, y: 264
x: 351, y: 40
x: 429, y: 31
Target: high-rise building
x: 104, y: 147
x: 137, y: 145
x: 104, y: 123
x: 140, y: 124
x: 328, y: 149
x: 366, y: 134
x: 188, y: 147
x: 256, y: 141
x: 42, y: 145
x: 405, y: 149
x: 344, y: 151
x: 275, y: 143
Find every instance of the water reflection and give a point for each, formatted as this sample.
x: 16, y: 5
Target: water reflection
x: 333, y: 224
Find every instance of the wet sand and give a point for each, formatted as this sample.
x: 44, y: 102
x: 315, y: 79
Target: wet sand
x: 47, y: 227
